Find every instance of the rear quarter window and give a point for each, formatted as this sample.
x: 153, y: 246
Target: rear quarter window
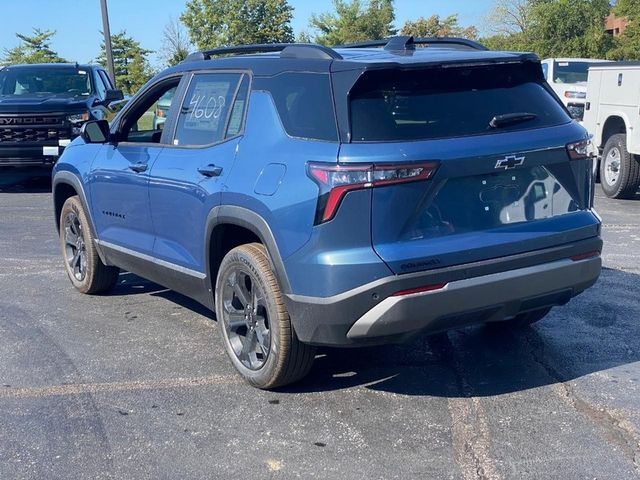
x: 391, y: 105
x: 305, y: 104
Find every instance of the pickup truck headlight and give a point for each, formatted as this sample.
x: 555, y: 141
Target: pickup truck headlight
x: 572, y: 94
x: 76, y: 120
x: 78, y: 117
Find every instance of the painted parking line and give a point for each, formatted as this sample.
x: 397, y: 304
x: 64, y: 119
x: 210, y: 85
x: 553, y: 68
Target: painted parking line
x: 92, y: 388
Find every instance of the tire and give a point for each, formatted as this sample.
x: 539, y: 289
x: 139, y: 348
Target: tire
x: 619, y: 170
x: 254, y: 323
x: 83, y: 265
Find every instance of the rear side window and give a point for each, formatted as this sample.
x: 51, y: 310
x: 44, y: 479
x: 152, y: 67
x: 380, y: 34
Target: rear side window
x: 305, y: 105
x: 206, y: 108
x: 391, y: 105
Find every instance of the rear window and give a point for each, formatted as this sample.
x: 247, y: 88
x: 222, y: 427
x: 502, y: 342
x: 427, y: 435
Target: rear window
x: 392, y: 105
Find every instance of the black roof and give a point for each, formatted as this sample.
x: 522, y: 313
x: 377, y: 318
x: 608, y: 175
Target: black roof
x: 396, y: 52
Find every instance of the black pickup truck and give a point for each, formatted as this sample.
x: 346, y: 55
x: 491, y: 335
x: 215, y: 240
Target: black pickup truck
x: 42, y: 108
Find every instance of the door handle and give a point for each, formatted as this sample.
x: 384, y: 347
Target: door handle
x: 210, y: 171
x: 139, y: 167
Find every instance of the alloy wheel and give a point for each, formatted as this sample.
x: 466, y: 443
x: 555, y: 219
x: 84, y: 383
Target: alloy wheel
x: 246, y: 318
x: 75, y: 246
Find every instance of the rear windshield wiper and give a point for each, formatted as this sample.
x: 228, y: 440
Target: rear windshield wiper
x: 511, y: 118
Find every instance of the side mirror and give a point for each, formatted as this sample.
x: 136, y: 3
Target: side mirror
x: 113, y: 96
x: 95, y: 131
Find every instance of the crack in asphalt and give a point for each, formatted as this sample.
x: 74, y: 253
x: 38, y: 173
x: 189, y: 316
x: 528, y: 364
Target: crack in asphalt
x: 470, y: 428
x: 611, y: 428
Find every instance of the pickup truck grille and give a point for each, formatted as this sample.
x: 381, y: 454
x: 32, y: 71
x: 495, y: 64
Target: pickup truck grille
x: 18, y: 129
x: 21, y: 135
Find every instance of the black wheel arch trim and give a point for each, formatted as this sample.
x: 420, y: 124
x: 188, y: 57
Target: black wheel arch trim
x: 70, y: 179
x: 252, y: 221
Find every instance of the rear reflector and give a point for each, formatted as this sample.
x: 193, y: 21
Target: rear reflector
x: 428, y: 288
x: 585, y: 256
x: 335, y: 181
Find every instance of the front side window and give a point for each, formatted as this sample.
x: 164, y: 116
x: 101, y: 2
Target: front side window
x: 206, y: 109
x: 144, y: 124
x: 41, y: 81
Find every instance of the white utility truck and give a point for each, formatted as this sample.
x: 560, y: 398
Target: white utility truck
x: 568, y: 78
x: 612, y: 116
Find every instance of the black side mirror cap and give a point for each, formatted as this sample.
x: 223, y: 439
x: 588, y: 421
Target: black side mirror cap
x: 113, y: 96
x: 95, y: 131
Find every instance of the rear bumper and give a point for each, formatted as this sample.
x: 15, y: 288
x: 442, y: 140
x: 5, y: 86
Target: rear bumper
x: 474, y: 293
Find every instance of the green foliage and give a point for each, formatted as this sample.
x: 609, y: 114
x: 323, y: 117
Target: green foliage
x: 352, y: 22
x: 33, y: 49
x: 627, y: 45
x: 569, y: 28
x: 215, y: 23
x: 552, y: 28
x: 132, y: 69
x: 514, y: 42
x: 434, y: 26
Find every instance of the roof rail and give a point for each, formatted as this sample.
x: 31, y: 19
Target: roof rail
x: 405, y: 43
x: 287, y: 50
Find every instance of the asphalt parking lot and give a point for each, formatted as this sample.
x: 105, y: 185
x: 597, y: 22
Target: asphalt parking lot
x: 136, y: 384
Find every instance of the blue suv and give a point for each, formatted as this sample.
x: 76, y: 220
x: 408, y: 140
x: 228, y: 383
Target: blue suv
x: 342, y: 197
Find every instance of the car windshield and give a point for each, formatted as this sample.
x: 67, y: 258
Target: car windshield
x: 570, y: 72
x: 45, y: 81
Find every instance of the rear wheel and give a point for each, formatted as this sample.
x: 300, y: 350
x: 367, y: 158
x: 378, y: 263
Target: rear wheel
x: 619, y: 170
x: 82, y: 262
x: 254, y: 323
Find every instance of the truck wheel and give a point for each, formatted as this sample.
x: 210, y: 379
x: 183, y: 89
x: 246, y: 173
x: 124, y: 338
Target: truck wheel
x: 619, y: 170
x: 82, y: 262
x: 254, y: 323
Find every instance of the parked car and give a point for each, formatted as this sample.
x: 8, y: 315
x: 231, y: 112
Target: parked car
x: 343, y: 197
x: 568, y: 78
x: 613, y: 104
x: 43, y: 107
x: 162, y: 110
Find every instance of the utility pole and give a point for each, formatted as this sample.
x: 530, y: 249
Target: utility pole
x: 107, y: 40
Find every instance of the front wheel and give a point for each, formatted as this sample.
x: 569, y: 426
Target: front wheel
x: 619, y: 169
x: 254, y: 323
x: 82, y: 262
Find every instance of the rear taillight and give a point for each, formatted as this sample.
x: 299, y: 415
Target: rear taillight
x: 335, y: 181
x: 581, y: 150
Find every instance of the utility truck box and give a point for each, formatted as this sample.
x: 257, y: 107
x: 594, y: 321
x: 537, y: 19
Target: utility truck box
x: 612, y: 116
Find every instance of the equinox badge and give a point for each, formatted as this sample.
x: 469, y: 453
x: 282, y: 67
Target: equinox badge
x: 510, y: 161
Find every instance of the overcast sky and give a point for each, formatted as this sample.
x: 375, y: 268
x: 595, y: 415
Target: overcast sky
x: 78, y: 22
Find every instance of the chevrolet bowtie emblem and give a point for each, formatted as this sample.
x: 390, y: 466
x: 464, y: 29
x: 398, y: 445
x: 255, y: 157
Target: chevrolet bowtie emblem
x: 510, y: 161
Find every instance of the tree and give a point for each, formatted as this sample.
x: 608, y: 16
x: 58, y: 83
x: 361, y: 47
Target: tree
x: 33, y: 49
x: 627, y: 45
x: 510, y: 16
x: 352, y: 22
x: 215, y: 23
x: 569, y: 28
x: 132, y: 69
x: 175, y: 43
x: 434, y: 26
